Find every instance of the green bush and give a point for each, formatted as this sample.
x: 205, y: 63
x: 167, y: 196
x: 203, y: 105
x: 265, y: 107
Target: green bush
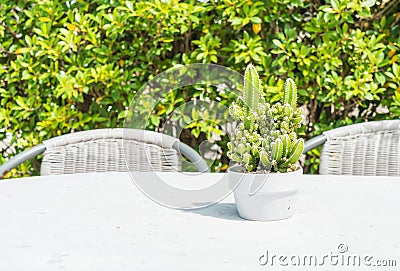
x: 69, y: 66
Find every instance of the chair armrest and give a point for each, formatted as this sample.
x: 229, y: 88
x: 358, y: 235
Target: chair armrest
x: 314, y: 142
x: 20, y: 158
x: 192, y: 155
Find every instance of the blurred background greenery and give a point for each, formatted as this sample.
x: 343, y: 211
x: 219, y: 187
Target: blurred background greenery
x: 76, y: 65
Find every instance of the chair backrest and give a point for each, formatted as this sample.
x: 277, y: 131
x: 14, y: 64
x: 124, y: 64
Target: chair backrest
x: 370, y: 148
x: 104, y: 150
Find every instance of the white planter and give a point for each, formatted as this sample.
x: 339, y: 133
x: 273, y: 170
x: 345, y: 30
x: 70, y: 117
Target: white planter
x: 265, y: 197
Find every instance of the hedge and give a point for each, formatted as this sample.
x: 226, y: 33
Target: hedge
x: 76, y: 65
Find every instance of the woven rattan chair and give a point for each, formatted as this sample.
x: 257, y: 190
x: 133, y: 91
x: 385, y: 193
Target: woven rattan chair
x: 369, y: 149
x: 104, y: 150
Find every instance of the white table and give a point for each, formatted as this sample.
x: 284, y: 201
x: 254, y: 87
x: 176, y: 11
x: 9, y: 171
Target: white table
x: 103, y: 222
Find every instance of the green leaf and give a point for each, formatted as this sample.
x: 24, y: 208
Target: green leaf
x: 237, y: 21
x: 155, y: 120
x: 28, y: 41
x: 255, y: 20
x: 335, y: 4
x: 368, y: 3
x: 196, y: 132
x: 345, y: 28
x: 380, y: 78
x: 129, y: 5
x: 396, y: 69
x: 297, y: 17
x: 328, y: 10
x: 369, y: 96
x: 278, y: 44
x: 302, y: 92
x: 123, y: 114
x: 365, y: 13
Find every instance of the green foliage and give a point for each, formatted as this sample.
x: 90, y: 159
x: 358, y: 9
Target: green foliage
x: 266, y: 138
x: 76, y: 65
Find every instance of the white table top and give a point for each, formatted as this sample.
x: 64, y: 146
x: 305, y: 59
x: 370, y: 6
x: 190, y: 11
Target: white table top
x: 103, y: 222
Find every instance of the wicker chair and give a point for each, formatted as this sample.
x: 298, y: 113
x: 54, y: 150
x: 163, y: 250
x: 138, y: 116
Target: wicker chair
x: 369, y: 149
x: 105, y: 150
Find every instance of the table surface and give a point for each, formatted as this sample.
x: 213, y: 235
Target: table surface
x: 102, y: 221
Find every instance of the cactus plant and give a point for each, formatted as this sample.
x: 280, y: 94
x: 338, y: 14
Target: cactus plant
x: 266, y: 140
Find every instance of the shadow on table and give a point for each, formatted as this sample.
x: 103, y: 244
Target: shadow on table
x: 219, y: 210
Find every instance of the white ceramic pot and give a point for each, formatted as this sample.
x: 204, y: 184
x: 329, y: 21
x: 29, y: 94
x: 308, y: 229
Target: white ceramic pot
x: 265, y: 197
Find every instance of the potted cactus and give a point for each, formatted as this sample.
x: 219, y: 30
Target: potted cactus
x: 265, y: 150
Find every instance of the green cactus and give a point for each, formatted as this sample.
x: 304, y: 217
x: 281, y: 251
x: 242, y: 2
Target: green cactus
x: 286, y: 145
x: 295, y: 151
x: 266, y: 139
x: 251, y: 93
x: 277, y: 149
x: 290, y: 93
